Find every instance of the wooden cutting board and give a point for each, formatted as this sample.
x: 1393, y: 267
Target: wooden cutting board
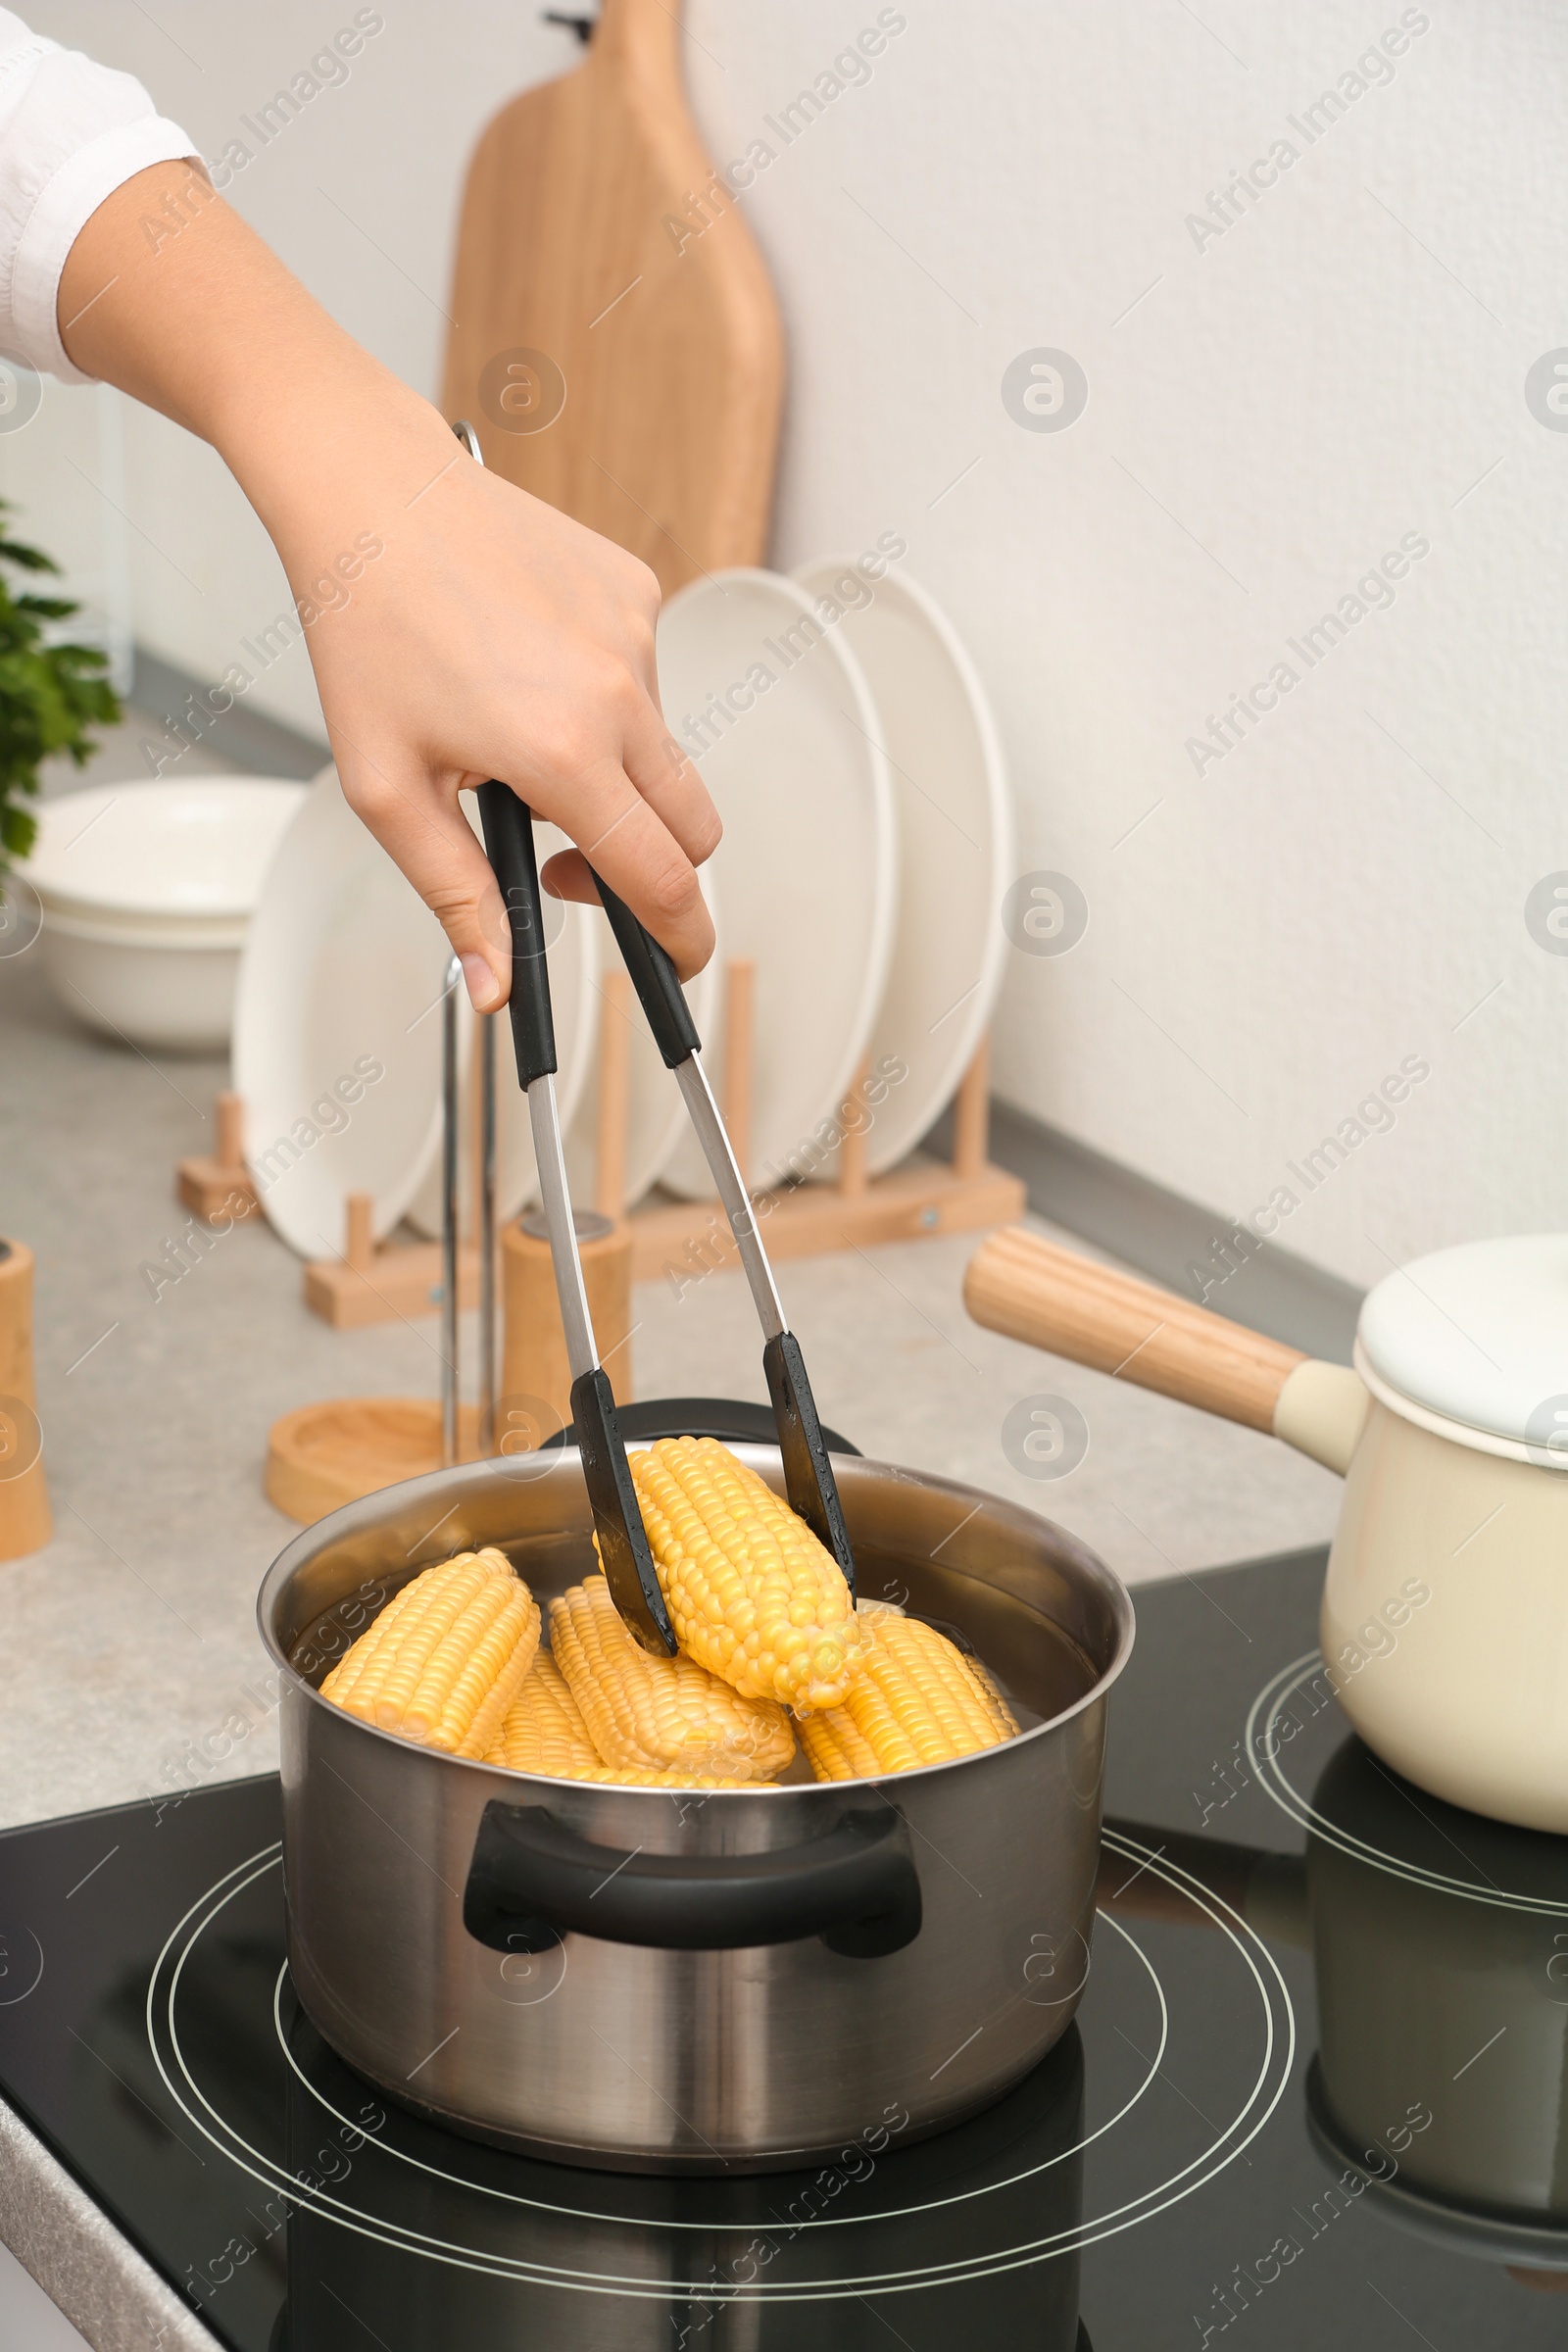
x: 616, y: 341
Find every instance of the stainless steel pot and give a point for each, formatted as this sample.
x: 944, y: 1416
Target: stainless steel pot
x: 676, y: 1980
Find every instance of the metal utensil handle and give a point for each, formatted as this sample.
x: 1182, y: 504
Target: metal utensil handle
x: 449, y: 1215
x: 731, y: 1184
x: 809, y: 1479
x: 508, y: 825
x: 623, y: 1550
x: 487, y: 1236
x: 533, y: 1878
x: 664, y: 1000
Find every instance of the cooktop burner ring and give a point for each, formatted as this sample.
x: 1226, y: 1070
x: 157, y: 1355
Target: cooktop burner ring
x: 11, y: 1999
x: 707, y: 2225
x: 1265, y: 1747
x: 1253, y: 2110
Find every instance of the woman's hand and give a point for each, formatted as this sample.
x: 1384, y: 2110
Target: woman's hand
x: 493, y: 636
x: 458, y: 629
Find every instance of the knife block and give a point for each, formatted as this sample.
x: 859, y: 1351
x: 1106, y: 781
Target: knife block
x: 24, y: 1522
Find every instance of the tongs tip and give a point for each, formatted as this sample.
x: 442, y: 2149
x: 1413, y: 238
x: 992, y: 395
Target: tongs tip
x: 809, y: 1479
x: 623, y: 1550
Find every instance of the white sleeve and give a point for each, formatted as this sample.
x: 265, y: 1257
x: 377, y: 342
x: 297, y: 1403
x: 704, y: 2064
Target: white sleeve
x: 70, y: 132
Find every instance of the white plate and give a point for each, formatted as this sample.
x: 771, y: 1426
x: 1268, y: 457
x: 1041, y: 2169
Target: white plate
x: 341, y: 979
x: 806, y: 873
x: 954, y: 815
x: 195, y: 849
x: 656, y: 1115
x: 571, y: 954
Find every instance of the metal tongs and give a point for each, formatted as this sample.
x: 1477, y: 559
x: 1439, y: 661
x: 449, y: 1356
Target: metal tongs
x: 808, y: 1481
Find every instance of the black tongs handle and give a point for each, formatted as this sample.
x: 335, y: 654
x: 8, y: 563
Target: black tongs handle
x: 654, y: 977
x: 507, y: 824
x: 809, y: 1479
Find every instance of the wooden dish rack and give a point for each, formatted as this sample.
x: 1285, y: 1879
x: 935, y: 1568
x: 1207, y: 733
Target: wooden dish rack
x: 678, y: 1241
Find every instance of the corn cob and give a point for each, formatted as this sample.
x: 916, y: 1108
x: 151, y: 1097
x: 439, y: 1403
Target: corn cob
x: 544, y: 1733
x: 752, y: 1594
x: 543, y: 1730
x: 444, y: 1660
x: 917, y: 1700
x: 658, y: 1714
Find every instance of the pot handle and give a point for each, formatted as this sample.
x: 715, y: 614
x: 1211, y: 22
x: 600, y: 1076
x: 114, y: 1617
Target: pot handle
x: 533, y: 1880
x: 1024, y: 1286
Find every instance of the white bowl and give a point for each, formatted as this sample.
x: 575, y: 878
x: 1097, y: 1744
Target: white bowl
x: 195, y: 849
x: 146, y: 892
x: 169, y: 989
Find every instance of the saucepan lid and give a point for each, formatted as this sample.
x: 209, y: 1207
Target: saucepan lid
x: 1474, y: 1340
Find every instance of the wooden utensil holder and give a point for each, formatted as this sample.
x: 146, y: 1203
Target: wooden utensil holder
x: 534, y: 1395
x: 535, y: 1388
x: 25, y: 1521
x: 322, y: 1456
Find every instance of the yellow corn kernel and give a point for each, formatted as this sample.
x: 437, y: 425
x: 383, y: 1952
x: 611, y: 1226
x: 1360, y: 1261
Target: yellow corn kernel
x: 1004, y: 1721
x: 443, y: 1661
x: 917, y: 1700
x: 658, y: 1714
x: 752, y: 1594
x: 370, y: 1644
x: 543, y: 1732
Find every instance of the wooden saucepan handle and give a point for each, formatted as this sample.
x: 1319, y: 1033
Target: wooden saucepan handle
x: 1024, y: 1286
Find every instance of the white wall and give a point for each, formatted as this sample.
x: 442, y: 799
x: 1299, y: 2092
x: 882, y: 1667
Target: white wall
x: 1342, y: 367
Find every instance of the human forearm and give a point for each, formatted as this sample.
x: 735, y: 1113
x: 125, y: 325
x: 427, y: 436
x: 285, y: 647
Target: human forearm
x: 170, y: 295
x: 492, y: 635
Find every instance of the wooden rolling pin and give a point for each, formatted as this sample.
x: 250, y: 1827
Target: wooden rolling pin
x: 1024, y: 1286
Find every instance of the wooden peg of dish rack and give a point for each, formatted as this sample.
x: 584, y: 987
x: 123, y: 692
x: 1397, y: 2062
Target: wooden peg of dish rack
x: 375, y: 1282
x: 384, y: 1282
x: 217, y: 1184
x: 681, y: 1240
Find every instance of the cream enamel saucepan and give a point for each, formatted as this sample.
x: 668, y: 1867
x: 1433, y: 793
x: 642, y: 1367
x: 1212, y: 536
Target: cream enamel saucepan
x: 1445, y: 1623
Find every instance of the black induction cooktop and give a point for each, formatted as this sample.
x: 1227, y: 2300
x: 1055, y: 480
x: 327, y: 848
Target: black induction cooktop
x: 1315, y: 2093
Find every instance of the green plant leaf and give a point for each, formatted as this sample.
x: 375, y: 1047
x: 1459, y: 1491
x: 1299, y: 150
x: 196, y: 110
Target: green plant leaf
x: 19, y: 830
x: 51, y: 696
x: 28, y: 559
